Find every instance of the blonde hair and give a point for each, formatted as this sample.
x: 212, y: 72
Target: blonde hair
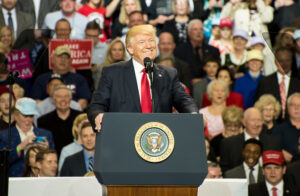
x: 268, y: 99
x: 192, y: 22
x: 291, y: 96
x: 187, y: 7
x: 61, y: 86
x: 6, y: 28
x: 4, y: 48
x: 140, y: 29
x: 77, y: 121
x: 123, y: 16
x: 232, y: 115
x: 212, y: 84
x: 109, y: 60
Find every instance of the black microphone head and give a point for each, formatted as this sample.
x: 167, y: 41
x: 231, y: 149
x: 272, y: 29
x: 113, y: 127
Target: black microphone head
x: 147, y: 60
x: 16, y: 74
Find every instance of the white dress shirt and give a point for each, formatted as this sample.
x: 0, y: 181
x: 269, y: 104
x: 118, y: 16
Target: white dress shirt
x: 279, y: 187
x: 247, y: 171
x: 287, y: 78
x: 14, y: 19
x: 138, y: 70
x: 36, y: 4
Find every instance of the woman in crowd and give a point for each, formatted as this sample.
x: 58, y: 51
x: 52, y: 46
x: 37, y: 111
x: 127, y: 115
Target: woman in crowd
x: 225, y: 74
x: 115, y: 52
x: 178, y: 25
x: 285, y: 38
x: 217, y: 92
x: 7, y: 37
x: 30, y: 169
x: 232, y: 118
x: 75, y: 146
x: 270, y: 109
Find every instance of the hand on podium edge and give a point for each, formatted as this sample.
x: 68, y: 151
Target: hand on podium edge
x: 98, y: 121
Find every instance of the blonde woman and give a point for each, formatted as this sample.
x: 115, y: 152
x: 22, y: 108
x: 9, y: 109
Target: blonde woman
x: 7, y: 37
x: 217, y: 92
x: 115, y: 52
x: 270, y: 109
x: 75, y: 146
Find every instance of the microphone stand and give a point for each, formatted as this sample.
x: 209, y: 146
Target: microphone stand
x: 4, y: 153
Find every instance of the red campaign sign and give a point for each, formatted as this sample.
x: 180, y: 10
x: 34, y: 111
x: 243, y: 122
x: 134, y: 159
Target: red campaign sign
x: 19, y: 61
x: 81, y: 52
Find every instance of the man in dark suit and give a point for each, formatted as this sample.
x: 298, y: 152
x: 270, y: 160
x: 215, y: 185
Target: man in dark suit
x: 293, y: 170
x: 274, y: 185
x: 232, y: 147
x: 38, y: 9
x: 82, y: 162
x: 17, y: 20
x: 195, y: 50
x: 124, y: 87
x: 271, y: 83
x: 250, y: 169
x: 23, y: 135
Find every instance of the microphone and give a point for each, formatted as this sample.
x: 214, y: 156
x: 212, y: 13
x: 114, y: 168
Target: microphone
x: 148, y: 65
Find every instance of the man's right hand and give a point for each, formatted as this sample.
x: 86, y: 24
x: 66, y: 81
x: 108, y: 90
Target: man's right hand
x: 26, y: 141
x: 98, y: 121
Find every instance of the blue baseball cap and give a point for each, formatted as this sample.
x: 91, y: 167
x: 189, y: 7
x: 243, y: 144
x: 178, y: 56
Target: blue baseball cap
x: 26, y: 106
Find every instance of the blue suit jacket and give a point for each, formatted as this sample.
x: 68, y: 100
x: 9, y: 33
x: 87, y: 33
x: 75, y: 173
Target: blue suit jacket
x: 16, y: 162
x: 118, y: 92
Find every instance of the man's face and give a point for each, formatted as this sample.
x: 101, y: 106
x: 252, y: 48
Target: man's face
x: 24, y: 121
x: 4, y: 103
x: 68, y: 7
x: 48, y: 167
x: 62, y: 99
x: 136, y: 19
x: 166, y: 44
x: 239, y: 43
x: 142, y: 46
x: 273, y: 173
x: 88, y: 138
x: 52, y: 85
x: 251, y: 154
x: 214, y: 172
x: 61, y: 63
x: 9, y: 4
x: 92, y: 34
x: 253, y: 122
x: 294, y: 108
x: 62, y: 30
x: 284, y: 59
x: 195, y: 32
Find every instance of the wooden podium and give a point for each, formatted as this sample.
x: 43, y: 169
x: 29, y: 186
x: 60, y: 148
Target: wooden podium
x: 124, y: 171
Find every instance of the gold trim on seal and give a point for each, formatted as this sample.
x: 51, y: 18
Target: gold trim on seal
x: 137, y: 142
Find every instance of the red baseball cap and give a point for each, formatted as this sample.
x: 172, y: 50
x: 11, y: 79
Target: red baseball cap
x: 226, y: 22
x: 273, y: 157
x: 4, y: 89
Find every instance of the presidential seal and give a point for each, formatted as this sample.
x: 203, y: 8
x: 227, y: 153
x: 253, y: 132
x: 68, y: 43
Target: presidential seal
x: 154, y: 142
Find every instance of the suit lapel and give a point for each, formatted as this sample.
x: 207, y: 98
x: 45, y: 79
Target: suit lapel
x: 274, y: 84
x: 158, y: 78
x: 260, y: 175
x: 130, y: 79
x: 2, y: 20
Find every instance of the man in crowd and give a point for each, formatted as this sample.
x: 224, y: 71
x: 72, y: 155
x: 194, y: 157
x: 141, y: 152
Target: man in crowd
x: 4, y: 108
x: 46, y: 162
x: 232, y: 147
x: 288, y: 131
x: 60, y: 121
x: 250, y: 168
x: 214, y: 170
x: 274, y: 168
x: 61, y: 65
x: 125, y: 87
x: 195, y: 50
x: 82, y: 162
x: 23, y: 134
x: 68, y: 11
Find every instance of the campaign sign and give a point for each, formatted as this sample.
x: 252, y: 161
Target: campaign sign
x: 81, y: 52
x: 19, y: 61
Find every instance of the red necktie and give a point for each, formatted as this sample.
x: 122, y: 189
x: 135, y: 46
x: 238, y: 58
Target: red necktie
x: 145, y: 94
x: 282, y: 95
x: 274, y: 191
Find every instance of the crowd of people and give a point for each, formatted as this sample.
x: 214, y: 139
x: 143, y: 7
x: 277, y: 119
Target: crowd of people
x: 238, y: 59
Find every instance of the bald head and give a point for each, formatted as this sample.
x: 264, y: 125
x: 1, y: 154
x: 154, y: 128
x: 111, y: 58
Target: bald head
x: 166, y: 44
x: 253, y: 122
